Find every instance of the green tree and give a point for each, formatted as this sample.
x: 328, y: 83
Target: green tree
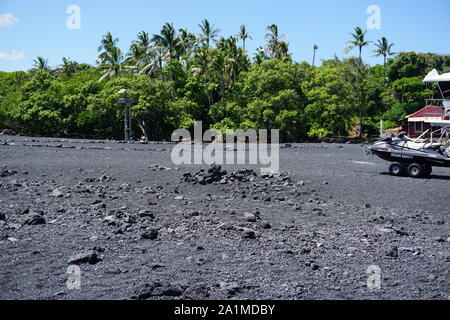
x: 39, y: 109
x: 412, y: 64
x: 267, y: 96
x: 331, y: 99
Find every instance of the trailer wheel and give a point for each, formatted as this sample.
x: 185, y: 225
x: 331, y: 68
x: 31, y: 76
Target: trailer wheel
x: 415, y: 170
x: 396, y: 169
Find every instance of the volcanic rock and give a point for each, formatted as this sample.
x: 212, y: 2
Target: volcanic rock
x: 6, y: 173
x: 35, y: 219
x: 266, y: 225
x: 3, y: 236
x: 197, y: 291
x: 250, y: 217
x: 215, y: 174
x: 230, y: 288
x: 150, y: 235
x: 89, y: 256
x: 249, y: 234
x: 393, y: 252
x: 157, y: 289
x: 56, y: 193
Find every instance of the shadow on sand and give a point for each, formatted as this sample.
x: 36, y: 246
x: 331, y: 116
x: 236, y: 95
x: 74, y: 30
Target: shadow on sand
x: 433, y: 176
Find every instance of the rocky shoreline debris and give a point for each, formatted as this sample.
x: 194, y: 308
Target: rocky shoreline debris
x: 215, y: 174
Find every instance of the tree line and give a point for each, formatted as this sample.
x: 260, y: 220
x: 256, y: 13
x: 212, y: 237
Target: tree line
x: 176, y: 77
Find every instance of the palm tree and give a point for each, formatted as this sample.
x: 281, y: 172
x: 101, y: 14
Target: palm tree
x: 260, y: 55
x: 40, y: 63
x: 219, y: 64
x: 383, y: 49
x: 69, y: 67
x: 226, y: 62
x: 107, y: 41
x: 208, y: 31
x: 283, y: 50
x: 141, y: 52
x: 234, y: 58
x: 168, y: 41
x: 111, y: 63
x: 143, y: 40
x: 359, y: 42
x: 202, y: 64
x: 136, y: 56
x: 187, y: 41
x: 149, y: 68
x: 244, y: 35
x: 276, y: 46
x: 110, y: 58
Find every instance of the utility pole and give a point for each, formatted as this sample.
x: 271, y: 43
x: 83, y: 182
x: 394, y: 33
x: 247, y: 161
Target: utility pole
x: 381, y: 128
x: 126, y: 103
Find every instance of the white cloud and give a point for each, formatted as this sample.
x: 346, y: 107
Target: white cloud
x: 14, y: 55
x: 7, y: 19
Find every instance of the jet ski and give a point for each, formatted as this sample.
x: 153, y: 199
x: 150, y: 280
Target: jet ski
x: 413, y: 157
x: 418, y: 157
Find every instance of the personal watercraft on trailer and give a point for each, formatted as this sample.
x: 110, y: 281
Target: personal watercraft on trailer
x: 418, y: 157
x: 414, y: 157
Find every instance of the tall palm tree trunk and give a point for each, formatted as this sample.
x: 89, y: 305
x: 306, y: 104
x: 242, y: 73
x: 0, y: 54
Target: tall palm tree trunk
x: 314, y: 57
x: 208, y: 93
x: 170, y: 67
x: 143, y: 126
x: 359, y: 93
x: 161, y: 69
x: 222, y: 85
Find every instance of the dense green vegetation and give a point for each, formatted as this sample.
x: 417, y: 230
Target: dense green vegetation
x: 176, y: 77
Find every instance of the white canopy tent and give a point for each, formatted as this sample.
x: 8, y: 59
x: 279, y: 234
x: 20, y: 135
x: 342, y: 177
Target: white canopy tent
x: 434, y: 76
x: 443, y: 82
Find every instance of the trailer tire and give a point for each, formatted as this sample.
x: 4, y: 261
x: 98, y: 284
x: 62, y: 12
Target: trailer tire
x: 396, y: 169
x: 415, y: 170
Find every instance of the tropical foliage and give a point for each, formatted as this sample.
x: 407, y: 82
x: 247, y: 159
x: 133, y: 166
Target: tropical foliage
x: 175, y: 77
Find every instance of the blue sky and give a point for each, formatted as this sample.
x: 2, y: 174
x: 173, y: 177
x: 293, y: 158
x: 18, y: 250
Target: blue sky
x: 38, y: 28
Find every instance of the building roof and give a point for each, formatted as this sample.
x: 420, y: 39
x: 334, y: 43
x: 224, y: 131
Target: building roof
x: 428, y: 112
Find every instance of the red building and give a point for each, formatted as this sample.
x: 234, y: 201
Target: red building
x: 417, y: 123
